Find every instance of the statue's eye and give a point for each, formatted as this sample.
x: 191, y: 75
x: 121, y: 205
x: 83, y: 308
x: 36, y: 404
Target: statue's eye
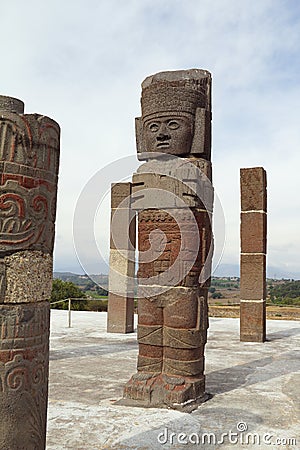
x: 154, y: 127
x: 173, y: 124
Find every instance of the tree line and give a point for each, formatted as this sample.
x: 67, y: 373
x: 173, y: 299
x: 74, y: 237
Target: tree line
x: 285, y: 293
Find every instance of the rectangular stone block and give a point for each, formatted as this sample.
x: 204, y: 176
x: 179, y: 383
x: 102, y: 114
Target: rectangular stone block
x: 26, y: 277
x: 120, y: 317
x: 123, y: 229
x: 122, y: 261
x: 253, y: 232
x: 253, y: 321
x: 120, y: 195
x: 121, y: 272
x: 189, y: 170
x: 253, y: 189
x: 253, y: 276
x: 154, y: 190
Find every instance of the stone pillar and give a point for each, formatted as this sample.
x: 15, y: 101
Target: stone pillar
x: 253, y: 254
x: 120, y: 314
x: 173, y: 196
x: 29, y: 159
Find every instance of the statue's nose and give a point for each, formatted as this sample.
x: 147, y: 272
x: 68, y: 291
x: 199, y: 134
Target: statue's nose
x: 163, y: 132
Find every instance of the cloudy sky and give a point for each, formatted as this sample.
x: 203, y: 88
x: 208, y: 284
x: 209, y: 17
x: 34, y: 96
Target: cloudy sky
x: 81, y: 62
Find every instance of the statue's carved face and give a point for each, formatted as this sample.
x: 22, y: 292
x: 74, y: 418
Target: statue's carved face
x: 169, y: 134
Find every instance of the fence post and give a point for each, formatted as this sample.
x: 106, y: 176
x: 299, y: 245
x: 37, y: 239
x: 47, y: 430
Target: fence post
x: 69, y: 313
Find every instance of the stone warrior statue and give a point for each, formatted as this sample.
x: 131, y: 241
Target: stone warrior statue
x: 173, y: 197
x: 29, y: 159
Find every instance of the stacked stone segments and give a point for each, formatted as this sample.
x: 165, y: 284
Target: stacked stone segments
x: 120, y: 317
x: 29, y: 159
x: 173, y: 198
x: 253, y: 254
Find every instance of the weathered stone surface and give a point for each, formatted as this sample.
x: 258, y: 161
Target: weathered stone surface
x: 253, y: 189
x: 29, y: 158
x: 158, y: 392
x: 184, y: 338
x: 120, y: 314
x: 120, y: 195
x: 26, y: 277
x: 173, y: 246
x: 253, y: 232
x: 253, y: 321
x: 123, y: 229
x: 150, y: 334
x: 24, y: 349
x: 191, y: 368
x: 119, y: 261
x: 177, y: 308
x: 29, y: 150
x: 174, y: 200
x: 121, y: 271
x: 253, y: 276
x: 163, y: 299
x: 151, y: 190
x: 253, y: 254
x: 172, y: 331
x: 11, y: 104
x: 188, y: 170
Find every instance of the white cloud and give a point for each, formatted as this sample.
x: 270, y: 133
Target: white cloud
x: 82, y: 64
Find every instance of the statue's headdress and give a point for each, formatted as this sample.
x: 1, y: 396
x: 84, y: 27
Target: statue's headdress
x: 178, y: 91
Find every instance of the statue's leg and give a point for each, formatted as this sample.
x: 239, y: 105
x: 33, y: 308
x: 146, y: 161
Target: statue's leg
x: 150, y: 338
x: 150, y: 359
x: 184, y: 338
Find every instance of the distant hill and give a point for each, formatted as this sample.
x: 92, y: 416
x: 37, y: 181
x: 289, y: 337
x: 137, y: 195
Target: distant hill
x: 233, y: 270
x: 223, y: 270
x: 64, y: 275
x: 83, y: 281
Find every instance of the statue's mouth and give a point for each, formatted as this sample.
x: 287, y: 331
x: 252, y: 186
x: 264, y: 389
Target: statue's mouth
x: 163, y: 144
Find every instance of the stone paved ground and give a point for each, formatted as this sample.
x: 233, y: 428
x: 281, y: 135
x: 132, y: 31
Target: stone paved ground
x: 254, y: 386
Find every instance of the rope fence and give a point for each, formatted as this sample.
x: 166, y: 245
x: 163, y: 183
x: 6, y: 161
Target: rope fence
x: 69, y: 300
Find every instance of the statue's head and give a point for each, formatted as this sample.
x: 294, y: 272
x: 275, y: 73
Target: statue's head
x: 176, y: 114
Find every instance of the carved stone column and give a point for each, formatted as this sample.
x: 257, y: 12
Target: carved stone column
x: 29, y: 160
x: 173, y: 196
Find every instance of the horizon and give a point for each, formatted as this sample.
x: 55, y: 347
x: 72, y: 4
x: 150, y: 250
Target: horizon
x: 223, y: 271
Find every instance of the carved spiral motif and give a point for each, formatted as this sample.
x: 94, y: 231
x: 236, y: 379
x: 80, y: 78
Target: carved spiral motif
x: 25, y: 217
x: 38, y: 374
x: 18, y: 378
x: 12, y: 204
x: 22, y: 375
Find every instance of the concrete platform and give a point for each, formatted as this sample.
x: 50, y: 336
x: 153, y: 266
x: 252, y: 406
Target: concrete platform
x: 254, y: 387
